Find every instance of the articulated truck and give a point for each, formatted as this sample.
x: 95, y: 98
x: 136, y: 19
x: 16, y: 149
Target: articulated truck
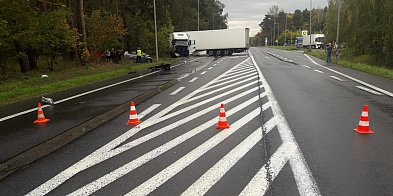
x: 182, y: 45
x: 221, y: 42
x: 213, y: 42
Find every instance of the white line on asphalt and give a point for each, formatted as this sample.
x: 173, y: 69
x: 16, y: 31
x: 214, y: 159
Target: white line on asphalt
x: 306, y: 66
x: 353, y: 79
x: 183, y: 76
x: 103, y: 153
x: 148, y: 110
x: 259, y: 184
x: 214, y: 64
x: 228, y: 82
x: 303, y: 176
x: 369, y: 90
x: 203, y: 72
x: 267, y: 57
x: 177, y: 90
x: 215, y: 173
x: 193, y: 80
x: 85, y: 93
x: 337, y: 78
x: 125, y: 169
x: 319, y: 71
x: 164, y: 175
x: 210, y: 68
x: 231, y: 76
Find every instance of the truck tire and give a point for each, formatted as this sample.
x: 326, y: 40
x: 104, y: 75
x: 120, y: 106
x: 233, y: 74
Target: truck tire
x: 227, y: 52
x: 210, y: 52
x: 219, y: 53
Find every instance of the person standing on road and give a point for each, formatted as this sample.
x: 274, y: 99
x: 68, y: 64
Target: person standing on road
x: 329, y: 49
x: 138, y: 55
x: 335, y: 50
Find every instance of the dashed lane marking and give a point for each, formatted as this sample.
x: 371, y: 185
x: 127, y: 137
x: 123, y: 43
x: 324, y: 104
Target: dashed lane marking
x: 177, y: 90
x: 390, y: 94
x: 306, y: 66
x: 194, y: 79
x: 369, y: 90
x: 337, y: 78
x: 203, y: 72
x: 319, y: 71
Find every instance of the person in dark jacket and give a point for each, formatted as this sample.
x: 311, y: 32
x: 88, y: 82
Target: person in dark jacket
x: 329, y: 49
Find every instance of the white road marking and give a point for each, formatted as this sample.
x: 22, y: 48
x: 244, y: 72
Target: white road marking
x: 203, y: 72
x: 148, y: 110
x: 259, y: 183
x: 231, y: 76
x: 369, y: 90
x: 183, y: 76
x: 303, y: 176
x: 210, y: 68
x: 337, y: 78
x: 353, y: 79
x: 306, y: 66
x: 267, y: 57
x: 125, y: 169
x: 228, y: 82
x: 194, y: 79
x: 104, y: 152
x: 177, y: 90
x: 319, y: 71
x: 164, y: 175
x: 215, y: 173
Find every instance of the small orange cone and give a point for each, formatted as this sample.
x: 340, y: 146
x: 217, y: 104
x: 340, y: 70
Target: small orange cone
x: 41, y: 117
x: 133, y: 120
x: 222, y: 121
x: 364, y: 124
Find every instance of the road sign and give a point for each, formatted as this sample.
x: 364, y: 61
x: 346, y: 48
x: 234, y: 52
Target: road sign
x: 304, y: 33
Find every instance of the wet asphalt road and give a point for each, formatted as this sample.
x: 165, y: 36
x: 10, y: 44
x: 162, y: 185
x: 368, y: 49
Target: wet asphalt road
x: 177, y: 149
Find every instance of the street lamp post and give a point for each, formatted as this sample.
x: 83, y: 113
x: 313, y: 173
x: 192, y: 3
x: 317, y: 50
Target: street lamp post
x: 198, y: 15
x: 310, y: 23
x: 155, y: 29
x: 286, y: 23
x: 338, y: 21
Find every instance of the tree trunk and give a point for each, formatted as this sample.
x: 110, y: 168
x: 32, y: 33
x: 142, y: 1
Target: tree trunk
x: 82, y: 24
x: 32, y: 59
x: 22, y: 58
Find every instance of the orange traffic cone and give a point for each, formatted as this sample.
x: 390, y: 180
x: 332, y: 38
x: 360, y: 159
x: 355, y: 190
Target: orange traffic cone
x: 222, y: 121
x: 41, y: 117
x: 364, y: 125
x: 133, y: 120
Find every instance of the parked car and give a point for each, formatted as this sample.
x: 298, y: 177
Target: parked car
x: 132, y: 56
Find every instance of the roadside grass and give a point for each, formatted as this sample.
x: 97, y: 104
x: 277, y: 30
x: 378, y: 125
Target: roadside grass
x: 361, y: 63
x: 23, y: 86
x: 284, y: 47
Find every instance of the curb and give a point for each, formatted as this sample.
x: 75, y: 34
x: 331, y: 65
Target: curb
x: 25, y: 158
x: 281, y: 59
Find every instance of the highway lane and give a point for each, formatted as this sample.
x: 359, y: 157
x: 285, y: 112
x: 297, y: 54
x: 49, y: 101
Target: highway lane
x: 177, y: 149
x: 302, y: 143
x: 322, y: 111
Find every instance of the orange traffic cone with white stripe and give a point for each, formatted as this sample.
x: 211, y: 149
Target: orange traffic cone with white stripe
x: 41, y: 117
x: 133, y: 119
x: 222, y: 121
x: 364, y: 124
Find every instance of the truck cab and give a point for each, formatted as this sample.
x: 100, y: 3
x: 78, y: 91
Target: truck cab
x: 182, y: 45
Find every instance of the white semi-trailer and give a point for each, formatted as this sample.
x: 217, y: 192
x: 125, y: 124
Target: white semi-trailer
x: 317, y: 40
x: 221, y: 42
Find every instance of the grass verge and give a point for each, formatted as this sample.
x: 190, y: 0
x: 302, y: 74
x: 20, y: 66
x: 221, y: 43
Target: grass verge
x: 356, y: 64
x: 25, y: 86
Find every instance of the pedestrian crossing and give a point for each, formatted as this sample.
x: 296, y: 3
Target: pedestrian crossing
x: 240, y: 87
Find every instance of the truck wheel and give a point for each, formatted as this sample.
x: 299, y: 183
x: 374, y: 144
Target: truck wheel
x: 210, y: 52
x: 219, y: 52
x: 226, y: 52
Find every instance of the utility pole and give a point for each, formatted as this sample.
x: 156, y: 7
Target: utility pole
x: 198, y: 15
x: 286, y: 23
x: 310, y: 23
x: 155, y: 29
x: 338, y: 20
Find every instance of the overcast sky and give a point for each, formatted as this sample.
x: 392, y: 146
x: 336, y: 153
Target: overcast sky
x: 249, y: 13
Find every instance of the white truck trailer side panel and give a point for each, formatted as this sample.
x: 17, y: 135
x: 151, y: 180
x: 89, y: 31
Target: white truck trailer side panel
x: 220, y: 39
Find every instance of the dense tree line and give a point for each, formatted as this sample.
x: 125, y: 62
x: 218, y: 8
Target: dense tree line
x: 77, y: 29
x: 366, y: 27
x: 279, y: 25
